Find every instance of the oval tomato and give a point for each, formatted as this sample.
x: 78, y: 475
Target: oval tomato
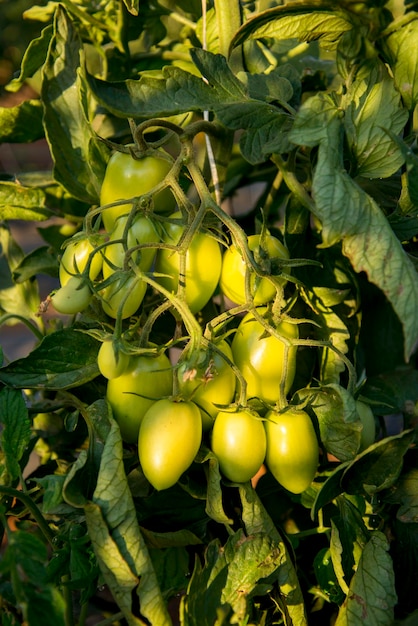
x: 203, y: 265
x: 169, y: 439
x: 125, y: 293
x: 261, y: 357
x: 208, y: 380
x: 126, y: 178
x: 146, y: 379
x: 111, y: 361
x: 232, y: 281
x: 75, y: 258
x: 368, y: 433
x: 292, y: 449
x: 73, y: 297
x: 239, y: 443
x: 141, y: 231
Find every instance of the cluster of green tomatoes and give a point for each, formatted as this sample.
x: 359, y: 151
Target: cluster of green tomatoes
x: 165, y: 406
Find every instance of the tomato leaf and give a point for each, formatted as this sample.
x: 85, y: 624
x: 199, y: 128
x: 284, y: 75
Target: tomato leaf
x: 79, y: 156
x: 371, y: 598
x: 349, y: 214
x: 15, y: 433
x: 39, y: 261
x: 118, y: 544
x: 22, y: 203
x: 394, y: 391
x: 64, y: 359
x: 405, y: 492
x: 22, y: 123
x: 398, y: 43
x: 379, y: 466
x: 33, y: 59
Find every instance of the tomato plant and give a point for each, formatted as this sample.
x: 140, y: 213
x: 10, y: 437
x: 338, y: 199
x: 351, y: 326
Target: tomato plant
x: 208, y: 284
x: 169, y: 439
x: 239, y: 444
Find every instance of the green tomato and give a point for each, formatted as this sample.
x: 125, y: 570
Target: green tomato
x: 73, y: 297
x: 368, y: 433
x: 110, y: 360
x: 141, y: 231
x: 203, y: 266
x: 232, y: 281
x: 127, y: 178
x: 147, y: 379
x: 292, y: 449
x: 74, y: 260
x: 261, y: 357
x: 169, y: 439
x: 239, y: 443
x: 126, y: 291
x: 209, y: 381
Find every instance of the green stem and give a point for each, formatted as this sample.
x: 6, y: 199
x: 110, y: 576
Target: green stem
x: 36, y: 513
x: 228, y: 21
x: 38, y: 334
x: 294, y: 185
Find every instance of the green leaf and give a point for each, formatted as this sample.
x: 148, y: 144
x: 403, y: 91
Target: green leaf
x: 393, y: 392
x: 404, y: 65
x: 15, y: 432
x: 33, y: 59
x: 308, y: 21
x: 257, y: 521
x: 21, y: 123
x: 40, y: 261
x: 373, y: 112
x: 214, y: 496
x: 132, y: 6
x: 405, y: 492
x: 79, y: 156
x: 379, y: 466
x: 22, y: 203
x: 349, y: 214
x: 329, y: 490
x: 117, y: 541
x: 64, y: 359
x: 372, y: 596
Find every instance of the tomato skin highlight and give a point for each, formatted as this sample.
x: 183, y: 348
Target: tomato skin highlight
x: 261, y: 359
x: 213, y: 384
x: 126, y: 177
x: 232, y: 280
x: 73, y: 297
x: 203, y: 265
x: 239, y: 443
x: 368, y: 434
x: 147, y: 379
x: 74, y: 260
x: 111, y: 361
x: 169, y: 439
x: 292, y: 449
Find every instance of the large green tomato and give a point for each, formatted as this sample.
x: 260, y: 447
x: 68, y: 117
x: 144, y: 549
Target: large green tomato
x: 203, y: 266
x: 141, y: 231
x: 209, y: 381
x: 74, y: 260
x: 292, y: 449
x: 234, y: 267
x: 368, y: 434
x: 73, y: 297
x: 239, y: 443
x: 147, y: 379
x: 169, y: 439
x: 126, y: 178
x: 125, y: 293
x: 261, y: 357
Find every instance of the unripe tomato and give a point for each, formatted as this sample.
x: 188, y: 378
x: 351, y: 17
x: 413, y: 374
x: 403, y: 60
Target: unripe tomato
x: 74, y: 260
x: 203, y: 266
x: 261, y: 357
x: 292, y: 449
x: 73, y: 297
x: 127, y: 291
x: 111, y: 361
x: 142, y: 230
x: 239, y: 443
x: 126, y: 178
x: 368, y: 434
x: 147, y: 379
x: 232, y: 281
x: 210, y: 383
x: 169, y: 439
